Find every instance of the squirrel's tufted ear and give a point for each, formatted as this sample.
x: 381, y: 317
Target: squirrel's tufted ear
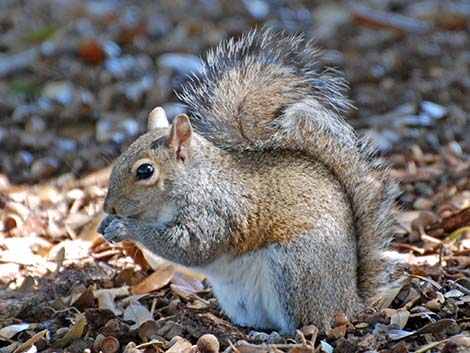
x: 157, y: 119
x: 180, y: 137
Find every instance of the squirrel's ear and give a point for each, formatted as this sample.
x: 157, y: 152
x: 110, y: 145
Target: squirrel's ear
x: 180, y: 137
x: 157, y: 119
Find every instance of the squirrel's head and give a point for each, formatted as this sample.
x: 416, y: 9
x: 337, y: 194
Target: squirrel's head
x: 142, y: 177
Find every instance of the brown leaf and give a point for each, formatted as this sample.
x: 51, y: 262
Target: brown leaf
x: 337, y: 332
x: 85, y: 300
x: 106, y: 301
x: 185, y: 286
x: 30, y: 342
x: 27, y: 286
x: 155, y: 281
x: 134, y: 252
x: 435, y: 327
x: 179, y: 345
x: 91, y: 52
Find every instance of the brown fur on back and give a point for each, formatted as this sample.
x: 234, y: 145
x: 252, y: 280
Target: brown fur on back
x: 265, y: 91
x: 291, y: 194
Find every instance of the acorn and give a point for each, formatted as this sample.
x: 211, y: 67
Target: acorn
x: 208, y: 344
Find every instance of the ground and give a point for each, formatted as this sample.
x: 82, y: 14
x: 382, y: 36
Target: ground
x: 77, y: 80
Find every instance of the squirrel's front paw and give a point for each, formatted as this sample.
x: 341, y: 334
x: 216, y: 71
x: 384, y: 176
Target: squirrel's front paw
x: 115, y: 230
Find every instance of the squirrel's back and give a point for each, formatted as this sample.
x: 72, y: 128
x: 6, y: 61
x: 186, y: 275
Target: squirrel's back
x: 263, y: 92
x: 290, y: 193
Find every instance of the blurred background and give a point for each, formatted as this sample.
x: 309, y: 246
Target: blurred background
x: 78, y: 78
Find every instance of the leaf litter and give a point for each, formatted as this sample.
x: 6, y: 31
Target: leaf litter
x: 77, y: 83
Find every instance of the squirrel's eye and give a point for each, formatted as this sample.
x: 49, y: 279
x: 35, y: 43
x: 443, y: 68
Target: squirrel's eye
x: 144, y: 171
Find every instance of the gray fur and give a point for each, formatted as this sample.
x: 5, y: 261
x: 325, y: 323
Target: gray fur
x: 306, y: 117
x: 276, y: 181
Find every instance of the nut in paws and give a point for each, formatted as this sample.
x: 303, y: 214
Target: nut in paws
x: 117, y: 230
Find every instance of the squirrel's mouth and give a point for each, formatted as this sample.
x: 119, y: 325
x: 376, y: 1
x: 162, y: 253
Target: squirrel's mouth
x: 137, y: 215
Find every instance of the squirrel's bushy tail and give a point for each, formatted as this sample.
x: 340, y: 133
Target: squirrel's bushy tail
x: 264, y: 91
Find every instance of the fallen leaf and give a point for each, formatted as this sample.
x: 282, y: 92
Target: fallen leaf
x: 131, y: 347
x: 185, y: 286
x: 10, y: 331
x: 393, y: 290
x: 336, y: 332
x: 77, y: 331
x: 137, y: 313
x: 454, y: 293
x: 27, y: 286
x: 106, y: 301
x: 85, y: 300
x: 155, y: 281
x: 30, y: 342
x: 435, y: 327
x: 91, y: 52
x: 400, y: 318
x: 325, y: 347
x: 179, y: 345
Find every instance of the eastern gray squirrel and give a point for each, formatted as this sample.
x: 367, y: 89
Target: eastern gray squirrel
x: 265, y: 189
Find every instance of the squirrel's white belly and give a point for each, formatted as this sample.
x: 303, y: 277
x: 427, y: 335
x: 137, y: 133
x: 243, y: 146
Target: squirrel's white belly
x: 245, y: 289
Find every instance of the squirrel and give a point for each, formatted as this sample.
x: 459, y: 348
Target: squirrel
x: 265, y: 189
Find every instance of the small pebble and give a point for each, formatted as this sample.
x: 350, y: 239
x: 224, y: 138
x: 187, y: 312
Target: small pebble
x: 62, y: 92
x: 130, y: 126
x: 112, y: 49
x: 258, y: 9
x: 434, y: 110
x: 181, y: 63
x: 44, y: 167
x: 422, y: 203
x: 455, y: 148
x: 65, y: 145
x: 24, y: 158
x: 36, y: 124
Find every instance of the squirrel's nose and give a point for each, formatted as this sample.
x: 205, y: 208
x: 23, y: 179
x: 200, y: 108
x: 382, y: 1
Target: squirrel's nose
x: 107, y: 207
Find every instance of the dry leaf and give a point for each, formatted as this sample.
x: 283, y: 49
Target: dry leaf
x: 88, y: 232
x: 156, y: 280
x: 400, y: 318
x: 30, y: 342
x: 249, y: 348
x: 135, y: 252
x: 27, y: 286
x: 85, y: 300
x: 392, y: 292
x: 179, y: 345
x: 106, y: 301
x: 77, y: 331
x: 10, y: 331
x: 137, y: 313
x: 325, y: 347
x: 185, y: 286
x: 337, y: 332
x: 123, y: 291
x: 435, y: 327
